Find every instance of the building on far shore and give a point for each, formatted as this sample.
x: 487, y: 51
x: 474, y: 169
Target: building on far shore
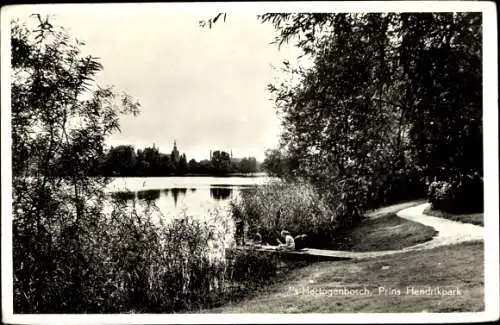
x: 239, y: 165
x: 232, y: 159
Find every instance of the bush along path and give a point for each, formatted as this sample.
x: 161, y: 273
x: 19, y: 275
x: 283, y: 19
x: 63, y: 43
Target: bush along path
x: 449, y: 232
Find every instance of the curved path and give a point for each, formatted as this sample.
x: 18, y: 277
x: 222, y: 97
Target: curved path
x: 449, y: 232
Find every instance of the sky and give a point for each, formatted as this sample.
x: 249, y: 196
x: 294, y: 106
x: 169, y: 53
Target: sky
x: 204, y: 88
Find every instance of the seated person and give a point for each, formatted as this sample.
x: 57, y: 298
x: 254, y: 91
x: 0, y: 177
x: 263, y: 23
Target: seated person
x: 289, y: 241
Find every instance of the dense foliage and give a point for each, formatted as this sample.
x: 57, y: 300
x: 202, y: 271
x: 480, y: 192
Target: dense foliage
x: 457, y: 195
x: 393, y: 96
x: 277, y: 163
x: 60, y: 119
x: 296, y: 207
x: 74, y: 250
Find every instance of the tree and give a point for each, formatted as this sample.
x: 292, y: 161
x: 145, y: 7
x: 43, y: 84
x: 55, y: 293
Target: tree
x: 248, y: 165
x: 141, y: 165
x: 193, y: 166
x: 182, y: 167
x: 60, y: 119
x: 152, y: 160
x: 205, y: 167
x: 221, y: 161
x: 276, y: 164
x: 381, y: 99
x: 165, y: 166
x: 121, y: 161
x: 446, y: 114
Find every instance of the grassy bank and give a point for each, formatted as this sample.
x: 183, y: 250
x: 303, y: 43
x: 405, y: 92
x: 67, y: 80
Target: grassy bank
x: 473, y: 218
x: 382, y: 230
x: 386, y: 232
x: 458, y: 266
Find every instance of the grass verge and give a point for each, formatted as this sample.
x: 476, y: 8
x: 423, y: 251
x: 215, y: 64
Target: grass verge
x: 383, y: 230
x: 388, y: 232
x: 450, y: 267
x: 473, y: 218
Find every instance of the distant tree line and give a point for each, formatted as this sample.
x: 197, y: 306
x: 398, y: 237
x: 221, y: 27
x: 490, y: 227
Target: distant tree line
x: 124, y: 160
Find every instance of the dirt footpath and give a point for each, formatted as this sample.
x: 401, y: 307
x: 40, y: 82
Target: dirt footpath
x: 449, y: 232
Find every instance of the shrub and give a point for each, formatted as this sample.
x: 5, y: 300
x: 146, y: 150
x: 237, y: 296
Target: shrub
x: 303, y: 211
x: 440, y: 195
x: 459, y: 194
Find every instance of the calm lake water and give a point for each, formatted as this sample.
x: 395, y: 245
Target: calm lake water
x: 193, y: 195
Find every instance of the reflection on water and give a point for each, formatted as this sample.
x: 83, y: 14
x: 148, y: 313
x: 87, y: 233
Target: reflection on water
x: 176, y: 200
x: 148, y: 195
x: 220, y: 193
x: 175, y: 193
x: 217, y: 192
x: 123, y: 195
x: 151, y: 195
x: 175, y: 196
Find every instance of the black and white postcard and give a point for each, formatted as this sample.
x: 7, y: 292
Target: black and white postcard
x: 254, y: 162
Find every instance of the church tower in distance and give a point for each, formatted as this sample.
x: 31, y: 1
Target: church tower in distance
x: 175, y: 153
